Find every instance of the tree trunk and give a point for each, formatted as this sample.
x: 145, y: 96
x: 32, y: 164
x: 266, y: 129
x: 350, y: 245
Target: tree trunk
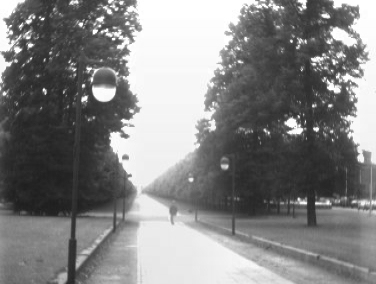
x: 311, y: 207
x: 310, y: 170
x: 278, y: 205
x: 309, y: 119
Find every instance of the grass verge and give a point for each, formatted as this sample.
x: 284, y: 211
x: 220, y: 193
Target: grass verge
x: 33, y: 248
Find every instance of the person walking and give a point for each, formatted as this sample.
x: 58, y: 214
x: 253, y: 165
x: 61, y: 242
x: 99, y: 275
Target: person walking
x: 173, y: 211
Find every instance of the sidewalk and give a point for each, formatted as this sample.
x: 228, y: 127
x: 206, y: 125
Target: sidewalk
x: 177, y: 254
x: 116, y: 259
x: 162, y: 253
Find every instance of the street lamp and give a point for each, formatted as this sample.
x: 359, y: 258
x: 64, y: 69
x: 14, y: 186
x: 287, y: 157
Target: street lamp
x: 225, y: 165
x: 346, y: 194
x: 191, y: 180
x: 116, y: 174
x: 126, y: 177
x: 367, y: 160
x: 104, y: 86
x: 124, y: 159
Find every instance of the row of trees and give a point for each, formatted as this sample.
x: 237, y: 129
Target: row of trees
x: 281, y: 101
x: 37, y: 103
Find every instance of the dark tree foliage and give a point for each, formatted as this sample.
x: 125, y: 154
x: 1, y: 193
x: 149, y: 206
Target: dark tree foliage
x: 39, y: 88
x: 284, y: 65
x: 174, y: 182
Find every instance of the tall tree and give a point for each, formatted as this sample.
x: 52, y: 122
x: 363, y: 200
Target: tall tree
x: 285, y: 63
x: 39, y: 89
x: 245, y: 97
x: 326, y: 68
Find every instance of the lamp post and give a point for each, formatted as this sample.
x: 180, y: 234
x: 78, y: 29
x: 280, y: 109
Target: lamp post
x: 191, y: 180
x: 126, y: 177
x: 104, y: 89
x: 124, y: 159
x: 225, y: 165
x: 346, y: 194
x: 367, y: 160
x: 346, y: 187
x: 116, y: 175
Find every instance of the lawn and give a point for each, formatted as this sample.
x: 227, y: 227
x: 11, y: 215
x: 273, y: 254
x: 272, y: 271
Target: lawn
x: 344, y: 234
x: 34, y: 248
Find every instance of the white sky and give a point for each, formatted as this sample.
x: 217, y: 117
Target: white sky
x: 171, y: 63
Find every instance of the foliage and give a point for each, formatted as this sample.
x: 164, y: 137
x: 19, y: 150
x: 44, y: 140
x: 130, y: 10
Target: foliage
x: 284, y: 66
x: 38, y: 98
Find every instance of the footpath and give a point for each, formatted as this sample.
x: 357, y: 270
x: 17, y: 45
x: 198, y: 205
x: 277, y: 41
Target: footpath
x: 147, y: 249
x: 163, y: 253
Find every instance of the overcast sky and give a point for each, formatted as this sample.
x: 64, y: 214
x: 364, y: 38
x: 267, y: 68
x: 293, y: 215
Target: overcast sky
x: 173, y: 60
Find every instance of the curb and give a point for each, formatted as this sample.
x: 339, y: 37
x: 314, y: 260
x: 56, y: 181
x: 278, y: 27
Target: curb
x: 329, y: 263
x: 83, y: 257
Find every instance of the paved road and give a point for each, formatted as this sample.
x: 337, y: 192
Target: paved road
x: 280, y: 228
x: 116, y: 261
x: 170, y: 254
x: 178, y: 254
x: 148, y: 249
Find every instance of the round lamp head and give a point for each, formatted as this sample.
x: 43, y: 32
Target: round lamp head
x: 225, y: 163
x: 190, y: 178
x: 104, y: 84
x: 124, y: 160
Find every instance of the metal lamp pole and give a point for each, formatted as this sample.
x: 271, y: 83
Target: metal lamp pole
x: 225, y: 164
x: 346, y: 187
x: 125, y: 188
x: 76, y: 160
x: 114, y: 195
x: 124, y: 158
x: 370, y: 192
x: 368, y: 161
x: 191, y: 180
x: 98, y: 86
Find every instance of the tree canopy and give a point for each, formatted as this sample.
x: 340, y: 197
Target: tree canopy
x: 39, y: 88
x: 285, y: 68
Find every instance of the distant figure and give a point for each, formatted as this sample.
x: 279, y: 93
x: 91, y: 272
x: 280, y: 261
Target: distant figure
x: 173, y: 211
